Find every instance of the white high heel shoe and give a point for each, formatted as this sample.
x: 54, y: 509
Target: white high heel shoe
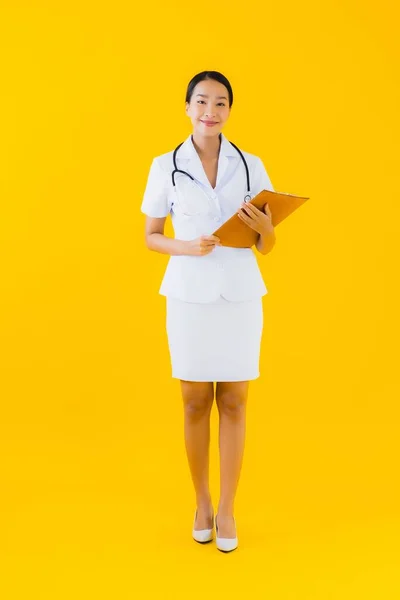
x: 202, y: 535
x: 226, y: 544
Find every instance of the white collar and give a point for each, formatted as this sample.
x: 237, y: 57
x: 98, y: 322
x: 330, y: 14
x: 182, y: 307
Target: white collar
x: 193, y: 163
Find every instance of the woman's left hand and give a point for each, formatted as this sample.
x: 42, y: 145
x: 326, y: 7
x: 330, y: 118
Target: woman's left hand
x: 256, y: 219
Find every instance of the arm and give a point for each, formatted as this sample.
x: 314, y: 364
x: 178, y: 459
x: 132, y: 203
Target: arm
x: 157, y: 241
x: 266, y: 242
x: 266, y: 239
x: 261, y: 222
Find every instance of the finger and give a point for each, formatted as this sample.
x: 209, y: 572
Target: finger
x: 257, y: 213
x: 213, y: 238
x: 244, y: 212
x: 253, y: 209
x: 242, y: 215
x: 249, y: 222
x: 267, y: 210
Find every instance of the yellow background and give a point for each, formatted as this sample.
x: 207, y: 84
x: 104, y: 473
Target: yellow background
x: 96, y: 498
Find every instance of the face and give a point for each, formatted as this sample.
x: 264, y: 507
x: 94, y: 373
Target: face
x: 208, y: 108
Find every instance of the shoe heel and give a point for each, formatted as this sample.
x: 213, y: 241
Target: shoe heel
x: 202, y: 536
x: 225, y: 544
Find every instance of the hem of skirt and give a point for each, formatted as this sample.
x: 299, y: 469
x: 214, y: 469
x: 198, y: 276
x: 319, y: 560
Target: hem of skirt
x: 215, y: 299
x: 203, y: 380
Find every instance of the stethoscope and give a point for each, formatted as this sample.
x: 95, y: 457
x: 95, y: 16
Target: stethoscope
x: 176, y: 170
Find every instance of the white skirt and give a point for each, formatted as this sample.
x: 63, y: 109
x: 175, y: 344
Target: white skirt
x: 218, y: 341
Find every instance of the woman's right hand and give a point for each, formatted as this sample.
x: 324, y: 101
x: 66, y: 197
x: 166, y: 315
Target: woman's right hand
x: 202, y: 245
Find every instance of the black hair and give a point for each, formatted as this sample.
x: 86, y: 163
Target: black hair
x: 209, y: 75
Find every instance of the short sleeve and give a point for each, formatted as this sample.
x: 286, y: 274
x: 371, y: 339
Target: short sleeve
x: 155, y: 200
x: 261, y: 180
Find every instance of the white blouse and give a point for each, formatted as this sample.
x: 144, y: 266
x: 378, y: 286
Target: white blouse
x: 197, y: 209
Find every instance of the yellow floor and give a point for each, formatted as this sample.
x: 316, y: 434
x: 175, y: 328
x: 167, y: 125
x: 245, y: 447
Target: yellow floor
x: 111, y: 518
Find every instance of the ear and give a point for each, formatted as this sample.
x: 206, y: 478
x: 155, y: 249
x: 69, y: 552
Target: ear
x: 187, y: 107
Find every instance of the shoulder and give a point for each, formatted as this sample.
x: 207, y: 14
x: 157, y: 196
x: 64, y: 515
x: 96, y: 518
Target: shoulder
x: 164, y: 161
x: 252, y: 159
x: 254, y: 162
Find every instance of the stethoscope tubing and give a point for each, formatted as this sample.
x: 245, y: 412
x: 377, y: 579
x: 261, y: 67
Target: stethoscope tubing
x: 176, y: 170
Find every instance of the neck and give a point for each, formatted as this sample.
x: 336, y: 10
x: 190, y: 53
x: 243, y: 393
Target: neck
x: 206, y: 147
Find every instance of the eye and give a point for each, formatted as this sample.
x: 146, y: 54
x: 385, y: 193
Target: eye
x: 221, y: 103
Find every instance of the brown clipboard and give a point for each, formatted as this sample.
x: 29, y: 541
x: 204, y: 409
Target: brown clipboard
x: 236, y: 234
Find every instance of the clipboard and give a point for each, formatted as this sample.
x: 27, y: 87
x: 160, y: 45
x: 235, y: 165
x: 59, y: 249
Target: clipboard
x: 236, y: 234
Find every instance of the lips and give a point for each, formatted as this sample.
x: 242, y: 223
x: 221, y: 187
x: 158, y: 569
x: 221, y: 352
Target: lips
x: 209, y: 123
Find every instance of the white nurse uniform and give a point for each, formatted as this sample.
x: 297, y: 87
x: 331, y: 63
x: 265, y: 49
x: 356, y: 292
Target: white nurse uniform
x: 214, y: 307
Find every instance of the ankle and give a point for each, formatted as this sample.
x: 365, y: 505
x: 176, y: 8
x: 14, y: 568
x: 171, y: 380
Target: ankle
x: 225, y: 511
x: 204, y: 502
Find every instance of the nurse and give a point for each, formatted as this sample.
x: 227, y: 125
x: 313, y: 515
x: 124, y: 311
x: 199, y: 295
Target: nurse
x: 213, y: 293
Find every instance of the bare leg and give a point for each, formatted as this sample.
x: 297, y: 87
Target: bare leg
x: 198, y: 398
x: 231, y: 400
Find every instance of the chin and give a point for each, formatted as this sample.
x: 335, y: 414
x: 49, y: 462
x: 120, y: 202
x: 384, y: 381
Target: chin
x: 208, y: 131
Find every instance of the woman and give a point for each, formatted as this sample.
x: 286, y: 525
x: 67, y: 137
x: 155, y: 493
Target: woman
x: 214, y: 306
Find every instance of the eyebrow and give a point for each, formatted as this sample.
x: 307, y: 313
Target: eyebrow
x: 218, y: 97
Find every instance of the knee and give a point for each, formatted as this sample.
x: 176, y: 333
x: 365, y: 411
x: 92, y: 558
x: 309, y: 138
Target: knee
x: 197, y: 405
x: 232, y: 404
